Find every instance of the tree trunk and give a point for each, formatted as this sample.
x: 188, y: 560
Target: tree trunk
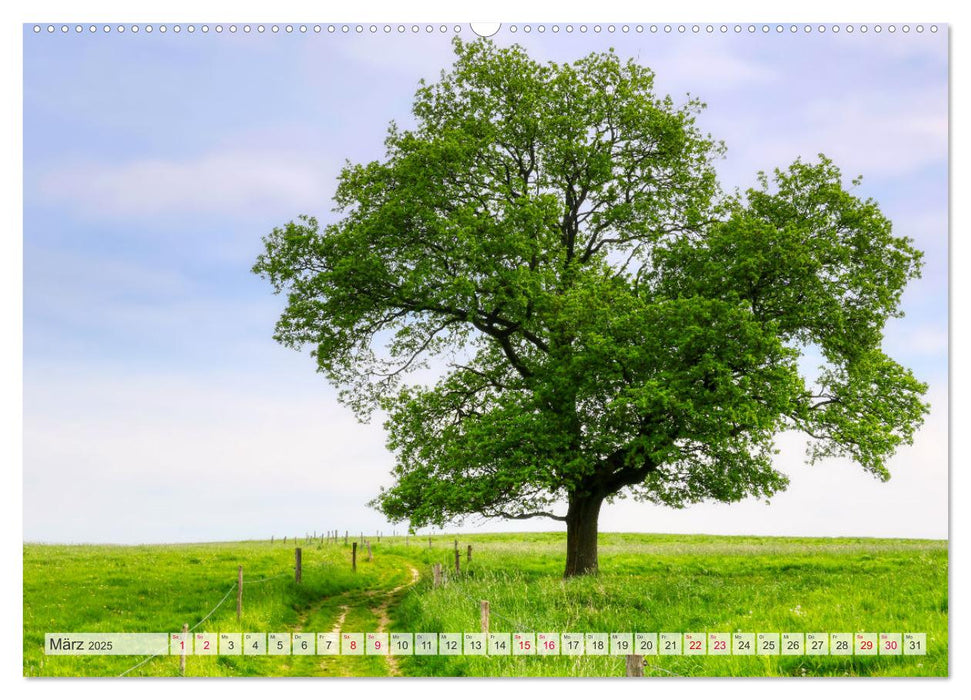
x: 581, y: 535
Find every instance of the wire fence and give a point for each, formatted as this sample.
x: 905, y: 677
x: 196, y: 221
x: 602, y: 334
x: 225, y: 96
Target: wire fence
x: 267, y: 578
x: 207, y: 616
x: 514, y: 623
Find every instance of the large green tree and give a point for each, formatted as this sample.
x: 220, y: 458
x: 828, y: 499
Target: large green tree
x: 550, y: 244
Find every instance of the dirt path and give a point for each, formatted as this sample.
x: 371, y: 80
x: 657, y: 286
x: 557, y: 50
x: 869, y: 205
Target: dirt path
x: 339, y: 622
x: 310, y: 613
x: 381, y: 612
x: 326, y: 663
x: 361, y: 610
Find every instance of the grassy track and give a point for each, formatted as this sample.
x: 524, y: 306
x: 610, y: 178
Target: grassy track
x: 647, y: 583
x: 158, y: 588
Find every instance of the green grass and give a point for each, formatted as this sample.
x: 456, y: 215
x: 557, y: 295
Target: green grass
x: 661, y: 583
x: 158, y: 588
x: 655, y: 583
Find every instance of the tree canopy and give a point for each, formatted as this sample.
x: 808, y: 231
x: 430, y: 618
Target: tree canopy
x: 549, y: 241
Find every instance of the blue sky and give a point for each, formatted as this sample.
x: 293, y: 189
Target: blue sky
x: 153, y: 392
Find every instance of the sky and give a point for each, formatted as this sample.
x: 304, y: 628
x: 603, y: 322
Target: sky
x: 157, y: 407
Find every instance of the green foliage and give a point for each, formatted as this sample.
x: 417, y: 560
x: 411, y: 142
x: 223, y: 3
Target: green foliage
x: 550, y: 239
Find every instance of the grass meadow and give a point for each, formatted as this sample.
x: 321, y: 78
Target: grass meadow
x: 648, y: 583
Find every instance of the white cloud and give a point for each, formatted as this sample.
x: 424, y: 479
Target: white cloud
x: 104, y: 305
x: 700, y: 65
x: 925, y: 340
x: 706, y: 68
x: 175, y: 459
x: 830, y: 499
x: 408, y: 56
x: 230, y: 183
x: 874, y: 134
x: 61, y: 276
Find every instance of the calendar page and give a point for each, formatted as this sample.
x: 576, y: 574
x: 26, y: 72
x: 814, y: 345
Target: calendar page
x: 516, y: 349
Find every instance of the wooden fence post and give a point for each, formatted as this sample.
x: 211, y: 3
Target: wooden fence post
x: 436, y: 575
x: 429, y: 542
x: 271, y: 539
x: 457, y: 560
x: 239, y: 593
x: 298, y: 564
x: 468, y: 555
x: 484, y: 615
x: 345, y: 538
x: 185, y: 639
x: 284, y: 539
x: 354, y: 556
x: 369, y: 557
x: 635, y: 666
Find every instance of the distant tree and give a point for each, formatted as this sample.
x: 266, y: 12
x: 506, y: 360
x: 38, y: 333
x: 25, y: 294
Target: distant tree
x: 603, y: 319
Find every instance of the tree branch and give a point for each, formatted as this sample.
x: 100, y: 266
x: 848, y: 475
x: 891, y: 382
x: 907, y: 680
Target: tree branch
x: 502, y: 337
x: 418, y: 352
x: 524, y: 516
x: 490, y: 380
